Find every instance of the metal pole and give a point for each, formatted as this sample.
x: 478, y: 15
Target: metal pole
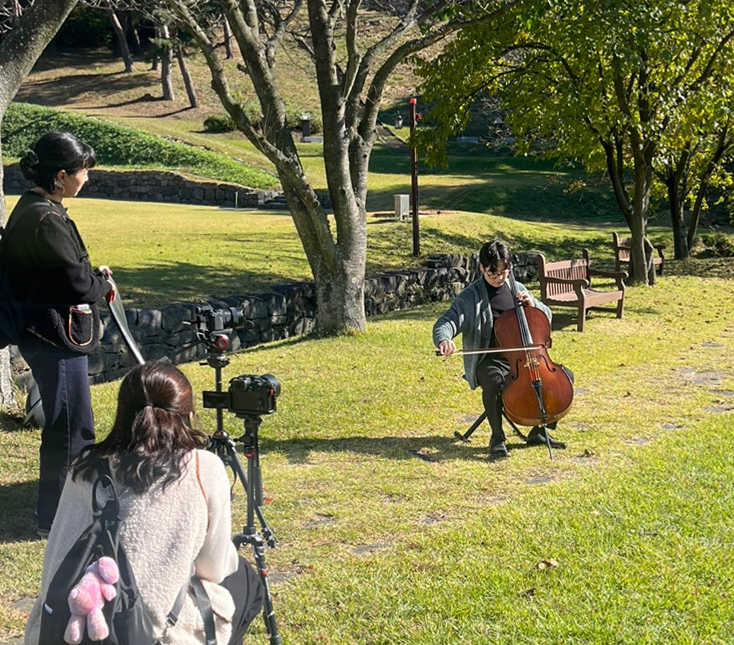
x: 414, y: 180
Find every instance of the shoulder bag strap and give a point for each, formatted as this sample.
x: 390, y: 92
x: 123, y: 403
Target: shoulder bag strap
x: 205, y: 607
x: 203, y: 603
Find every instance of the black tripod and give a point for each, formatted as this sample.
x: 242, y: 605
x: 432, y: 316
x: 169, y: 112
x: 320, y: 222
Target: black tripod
x: 224, y: 447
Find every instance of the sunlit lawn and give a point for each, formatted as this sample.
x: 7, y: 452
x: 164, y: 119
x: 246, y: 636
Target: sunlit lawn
x: 390, y: 532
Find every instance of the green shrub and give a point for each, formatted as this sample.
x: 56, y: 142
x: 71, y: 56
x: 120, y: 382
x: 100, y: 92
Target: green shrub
x: 219, y: 123
x: 719, y: 244
x: 293, y: 114
x: 117, y: 145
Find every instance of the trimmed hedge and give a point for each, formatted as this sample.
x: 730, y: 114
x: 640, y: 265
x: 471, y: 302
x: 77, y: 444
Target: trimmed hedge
x: 224, y: 123
x: 219, y: 123
x: 118, y: 145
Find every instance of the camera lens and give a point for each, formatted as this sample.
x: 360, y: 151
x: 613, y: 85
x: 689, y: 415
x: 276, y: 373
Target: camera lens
x: 273, y: 382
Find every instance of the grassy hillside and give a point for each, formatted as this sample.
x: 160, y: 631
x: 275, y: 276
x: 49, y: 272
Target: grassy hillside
x: 120, y: 145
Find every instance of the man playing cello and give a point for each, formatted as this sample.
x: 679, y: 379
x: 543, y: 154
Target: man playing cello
x: 473, y: 314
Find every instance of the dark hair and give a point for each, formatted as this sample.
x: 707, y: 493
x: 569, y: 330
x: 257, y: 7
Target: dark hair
x: 494, y: 252
x: 152, y: 433
x: 53, y: 152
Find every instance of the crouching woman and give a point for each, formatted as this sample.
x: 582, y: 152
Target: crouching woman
x: 174, y: 508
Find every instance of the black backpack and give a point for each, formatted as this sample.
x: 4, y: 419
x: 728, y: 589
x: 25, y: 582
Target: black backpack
x: 127, y: 617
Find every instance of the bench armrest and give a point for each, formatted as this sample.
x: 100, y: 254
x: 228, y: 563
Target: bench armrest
x: 609, y: 274
x: 579, y: 282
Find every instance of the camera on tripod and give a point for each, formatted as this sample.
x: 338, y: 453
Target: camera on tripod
x: 215, y: 326
x: 209, y: 319
x: 248, y: 395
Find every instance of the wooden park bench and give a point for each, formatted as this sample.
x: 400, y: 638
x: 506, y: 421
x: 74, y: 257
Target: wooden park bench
x: 567, y: 283
x: 621, y: 246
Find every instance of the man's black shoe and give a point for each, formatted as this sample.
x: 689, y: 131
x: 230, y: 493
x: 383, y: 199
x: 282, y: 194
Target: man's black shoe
x: 498, y: 449
x: 536, y: 437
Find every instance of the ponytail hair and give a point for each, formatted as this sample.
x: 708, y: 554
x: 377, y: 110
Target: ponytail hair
x: 53, y: 152
x: 152, y: 433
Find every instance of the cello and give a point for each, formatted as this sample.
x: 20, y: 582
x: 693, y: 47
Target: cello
x: 537, y: 391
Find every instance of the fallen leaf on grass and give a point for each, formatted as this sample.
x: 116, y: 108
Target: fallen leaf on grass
x: 547, y: 564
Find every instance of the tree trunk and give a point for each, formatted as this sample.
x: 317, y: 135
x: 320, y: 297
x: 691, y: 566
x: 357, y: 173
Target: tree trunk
x: 640, y: 260
x: 723, y: 146
x: 227, y: 38
x: 188, y: 82
x: 339, y: 284
x: 615, y: 171
x: 7, y: 391
x: 121, y: 38
x: 677, y: 217
x: 132, y: 29
x: 166, y: 64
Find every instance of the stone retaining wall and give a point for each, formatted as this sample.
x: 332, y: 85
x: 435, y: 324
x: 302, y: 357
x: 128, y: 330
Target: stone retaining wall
x: 286, y: 311
x: 154, y: 186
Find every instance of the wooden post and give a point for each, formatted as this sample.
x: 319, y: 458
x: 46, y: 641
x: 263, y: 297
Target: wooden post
x: 414, y: 180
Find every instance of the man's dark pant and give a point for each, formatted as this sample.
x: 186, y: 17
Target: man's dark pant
x: 63, y: 383
x: 491, y: 374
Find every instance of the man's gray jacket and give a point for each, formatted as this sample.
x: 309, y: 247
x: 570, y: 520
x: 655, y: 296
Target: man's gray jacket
x: 470, y: 314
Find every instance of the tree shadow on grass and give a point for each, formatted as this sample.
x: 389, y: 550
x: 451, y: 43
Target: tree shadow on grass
x: 17, y: 506
x: 168, y: 282
x: 76, y: 87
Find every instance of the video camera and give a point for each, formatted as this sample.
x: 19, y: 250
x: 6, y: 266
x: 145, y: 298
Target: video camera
x: 248, y: 395
x: 215, y: 326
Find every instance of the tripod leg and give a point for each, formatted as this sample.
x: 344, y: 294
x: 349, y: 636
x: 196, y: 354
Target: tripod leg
x: 258, y: 551
x: 465, y: 437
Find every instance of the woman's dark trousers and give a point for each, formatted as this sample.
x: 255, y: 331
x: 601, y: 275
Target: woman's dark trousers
x: 63, y: 383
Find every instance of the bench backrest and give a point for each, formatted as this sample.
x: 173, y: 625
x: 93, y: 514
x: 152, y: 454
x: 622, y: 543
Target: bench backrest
x: 621, y: 248
x: 576, y: 269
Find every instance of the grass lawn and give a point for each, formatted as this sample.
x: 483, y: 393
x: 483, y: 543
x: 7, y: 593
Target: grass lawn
x: 163, y: 253
x: 390, y: 532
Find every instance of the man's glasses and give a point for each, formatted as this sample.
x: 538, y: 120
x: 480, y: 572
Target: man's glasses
x: 498, y: 274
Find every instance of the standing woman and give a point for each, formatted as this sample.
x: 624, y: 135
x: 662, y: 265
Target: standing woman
x: 49, y: 271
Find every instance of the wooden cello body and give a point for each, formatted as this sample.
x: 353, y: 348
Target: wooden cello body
x: 537, y: 391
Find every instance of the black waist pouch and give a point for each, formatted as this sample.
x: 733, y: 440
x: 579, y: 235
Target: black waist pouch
x: 72, y: 327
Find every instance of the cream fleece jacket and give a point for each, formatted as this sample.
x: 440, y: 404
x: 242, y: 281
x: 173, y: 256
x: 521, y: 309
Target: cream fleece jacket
x: 165, y: 532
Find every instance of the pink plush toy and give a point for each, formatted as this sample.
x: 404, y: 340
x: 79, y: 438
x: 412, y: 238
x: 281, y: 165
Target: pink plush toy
x: 87, y: 598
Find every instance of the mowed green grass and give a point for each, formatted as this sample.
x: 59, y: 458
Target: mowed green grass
x: 163, y: 253
x: 391, y: 532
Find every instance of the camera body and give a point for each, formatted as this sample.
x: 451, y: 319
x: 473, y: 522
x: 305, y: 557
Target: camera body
x: 248, y: 395
x: 216, y: 327
x: 207, y: 319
